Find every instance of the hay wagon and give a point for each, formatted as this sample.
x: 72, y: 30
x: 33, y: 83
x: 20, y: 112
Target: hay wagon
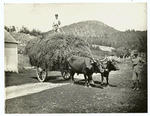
x: 50, y: 53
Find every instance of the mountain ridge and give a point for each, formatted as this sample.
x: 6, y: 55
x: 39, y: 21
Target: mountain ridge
x: 86, y: 28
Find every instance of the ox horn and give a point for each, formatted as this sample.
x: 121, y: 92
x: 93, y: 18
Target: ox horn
x: 103, y: 59
x: 92, y: 58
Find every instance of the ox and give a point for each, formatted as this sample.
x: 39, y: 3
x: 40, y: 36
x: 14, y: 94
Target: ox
x: 108, y: 65
x: 83, y: 65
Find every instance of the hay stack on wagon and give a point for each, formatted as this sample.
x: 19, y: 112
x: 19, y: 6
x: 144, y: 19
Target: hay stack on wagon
x: 51, y: 52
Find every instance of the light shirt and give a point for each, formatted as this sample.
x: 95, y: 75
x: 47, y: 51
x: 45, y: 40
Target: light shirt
x: 56, y: 22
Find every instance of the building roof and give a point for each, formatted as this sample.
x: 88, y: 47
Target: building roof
x: 9, y: 38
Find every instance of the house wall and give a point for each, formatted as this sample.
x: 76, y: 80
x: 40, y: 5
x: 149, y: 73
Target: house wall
x: 11, y: 57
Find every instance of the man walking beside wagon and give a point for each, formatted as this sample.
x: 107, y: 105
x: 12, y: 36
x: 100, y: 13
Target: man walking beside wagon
x: 138, y: 64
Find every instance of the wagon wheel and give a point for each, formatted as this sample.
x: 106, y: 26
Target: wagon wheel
x: 65, y: 75
x: 41, y: 74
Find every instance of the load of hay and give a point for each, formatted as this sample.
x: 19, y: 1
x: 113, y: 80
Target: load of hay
x: 51, y: 52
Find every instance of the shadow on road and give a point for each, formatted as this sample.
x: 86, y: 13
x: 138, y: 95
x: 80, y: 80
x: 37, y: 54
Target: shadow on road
x: 82, y: 82
x: 34, y: 78
x: 54, y: 79
x: 104, y: 84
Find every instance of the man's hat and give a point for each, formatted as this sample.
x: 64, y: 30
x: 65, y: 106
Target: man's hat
x: 135, y: 52
x: 56, y: 14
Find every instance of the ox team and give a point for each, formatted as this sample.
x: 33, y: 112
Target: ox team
x: 88, y: 66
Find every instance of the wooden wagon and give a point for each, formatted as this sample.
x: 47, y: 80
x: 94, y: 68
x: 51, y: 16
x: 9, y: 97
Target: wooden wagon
x: 42, y: 73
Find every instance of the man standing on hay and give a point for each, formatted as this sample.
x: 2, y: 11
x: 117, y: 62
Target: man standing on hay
x: 56, y: 24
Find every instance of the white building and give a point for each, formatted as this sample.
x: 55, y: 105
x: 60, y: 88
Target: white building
x: 11, y: 53
x: 104, y: 48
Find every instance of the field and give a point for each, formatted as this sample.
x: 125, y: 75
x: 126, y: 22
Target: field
x: 49, y: 50
x: 66, y: 98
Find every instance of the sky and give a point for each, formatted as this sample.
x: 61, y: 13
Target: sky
x: 121, y: 16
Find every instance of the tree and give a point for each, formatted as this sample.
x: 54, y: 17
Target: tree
x: 13, y: 29
x: 6, y: 28
x: 35, y: 32
x: 142, y: 42
x: 24, y: 30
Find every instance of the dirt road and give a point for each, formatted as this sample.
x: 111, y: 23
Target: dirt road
x: 30, y: 88
x: 22, y: 90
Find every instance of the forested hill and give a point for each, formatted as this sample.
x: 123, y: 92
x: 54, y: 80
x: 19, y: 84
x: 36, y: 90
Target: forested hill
x: 96, y: 32
x: 87, y: 28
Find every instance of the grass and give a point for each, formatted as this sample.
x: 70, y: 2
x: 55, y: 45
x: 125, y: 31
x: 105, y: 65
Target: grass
x: 24, y: 76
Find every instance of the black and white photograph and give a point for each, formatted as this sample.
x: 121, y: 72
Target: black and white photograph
x: 75, y: 58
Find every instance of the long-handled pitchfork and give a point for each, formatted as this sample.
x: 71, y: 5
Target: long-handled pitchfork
x: 62, y: 30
